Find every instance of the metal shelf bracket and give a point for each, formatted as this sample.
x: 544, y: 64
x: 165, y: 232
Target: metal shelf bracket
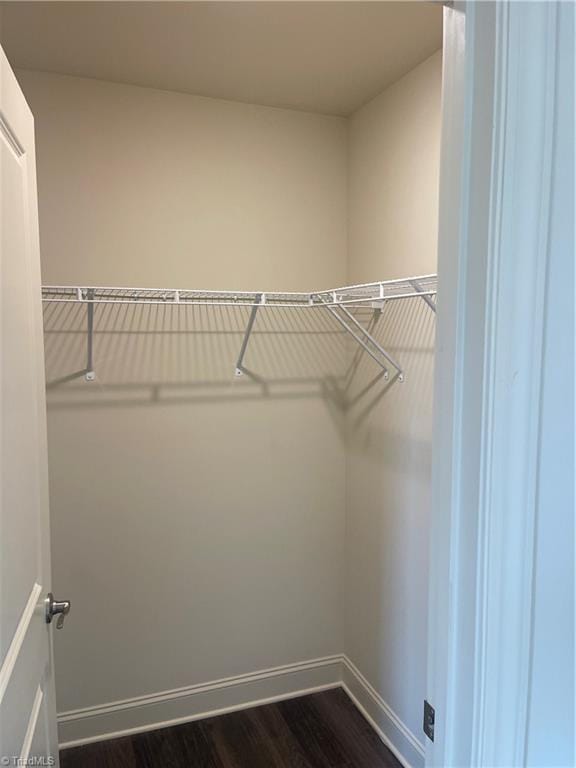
x: 363, y: 337
x: 90, y: 375
x: 355, y: 362
x: 240, y: 370
x: 426, y: 298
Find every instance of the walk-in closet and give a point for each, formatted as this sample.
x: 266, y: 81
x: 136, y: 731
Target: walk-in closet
x: 238, y: 207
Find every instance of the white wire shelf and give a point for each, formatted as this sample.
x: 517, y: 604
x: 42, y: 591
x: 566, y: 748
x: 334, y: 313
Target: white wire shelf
x: 354, y: 295
x: 338, y: 302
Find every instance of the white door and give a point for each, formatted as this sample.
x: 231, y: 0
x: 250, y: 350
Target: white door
x: 27, y: 702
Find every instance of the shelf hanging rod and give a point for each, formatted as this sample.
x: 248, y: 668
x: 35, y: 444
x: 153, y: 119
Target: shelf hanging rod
x: 272, y: 304
x: 356, y: 295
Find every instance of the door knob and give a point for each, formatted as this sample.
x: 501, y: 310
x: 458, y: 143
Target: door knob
x: 53, y: 607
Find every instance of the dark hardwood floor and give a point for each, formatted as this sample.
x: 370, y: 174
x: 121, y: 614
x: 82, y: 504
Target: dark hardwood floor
x: 324, y: 730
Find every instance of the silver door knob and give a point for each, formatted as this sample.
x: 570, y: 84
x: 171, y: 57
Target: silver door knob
x: 53, y: 607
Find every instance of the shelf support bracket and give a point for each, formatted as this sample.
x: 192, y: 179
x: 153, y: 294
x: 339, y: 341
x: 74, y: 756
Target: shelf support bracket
x: 366, y: 340
x: 352, y: 368
x: 386, y: 355
x: 90, y: 375
x: 240, y: 370
x: 417, y: 287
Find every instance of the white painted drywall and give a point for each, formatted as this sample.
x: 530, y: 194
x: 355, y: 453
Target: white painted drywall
x: 155, y: 188
x: 198, y: 526
x: 197, y: 530
x: 394, y: 146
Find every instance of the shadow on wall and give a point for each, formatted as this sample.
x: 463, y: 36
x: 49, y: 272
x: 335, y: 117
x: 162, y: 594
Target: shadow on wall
x: 406, y: 330
x: 389, y: 456
x: 149, y: 354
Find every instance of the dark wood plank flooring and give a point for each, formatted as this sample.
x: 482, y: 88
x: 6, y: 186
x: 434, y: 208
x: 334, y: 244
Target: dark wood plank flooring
x: 323, y: 730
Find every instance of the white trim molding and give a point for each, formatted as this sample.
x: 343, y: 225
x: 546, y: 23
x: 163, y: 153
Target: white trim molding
x: 18, y: 638
x: 32, y: 725
x: 494, y: 255
x: 196, y: 702
x: 407, y: 747
x: 519, y: 222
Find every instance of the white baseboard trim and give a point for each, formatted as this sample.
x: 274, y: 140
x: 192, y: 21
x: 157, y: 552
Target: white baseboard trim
x: 409, y: 750
x: 196, y: 702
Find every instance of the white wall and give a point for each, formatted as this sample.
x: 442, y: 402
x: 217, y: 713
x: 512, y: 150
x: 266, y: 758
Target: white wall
x: 394, y: 146
x: 197, y: 524
x: 147, y: 187
x: 173, y: 486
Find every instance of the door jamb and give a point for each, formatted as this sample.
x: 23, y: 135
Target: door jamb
x: 499, y: 97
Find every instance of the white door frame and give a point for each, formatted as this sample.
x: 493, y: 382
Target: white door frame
x: 499, y: 111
